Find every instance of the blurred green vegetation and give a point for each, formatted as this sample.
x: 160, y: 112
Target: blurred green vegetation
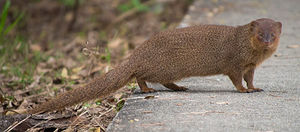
x: 133, y: 4
x: 18, y: 59
x: 70, y: 3
x: 13, y: 47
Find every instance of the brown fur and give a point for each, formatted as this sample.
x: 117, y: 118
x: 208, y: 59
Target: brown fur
x: 172, y: 55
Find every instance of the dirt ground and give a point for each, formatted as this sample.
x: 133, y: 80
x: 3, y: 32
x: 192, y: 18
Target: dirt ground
x: 65, y: 44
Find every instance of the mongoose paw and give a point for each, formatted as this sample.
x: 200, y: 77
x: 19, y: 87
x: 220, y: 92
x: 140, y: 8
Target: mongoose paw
x: 251, y: 90
x: 256, y: 89
x: 148, y: 90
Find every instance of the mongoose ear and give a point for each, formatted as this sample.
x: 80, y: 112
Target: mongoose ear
x: 279, y: 25
x: 253, y: 24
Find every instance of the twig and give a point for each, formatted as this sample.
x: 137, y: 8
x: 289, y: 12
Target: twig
x: 99, y: 124
x: 78, y: 118
x: 106, y: 112
x: 14, y: 125
x: 39, y: 124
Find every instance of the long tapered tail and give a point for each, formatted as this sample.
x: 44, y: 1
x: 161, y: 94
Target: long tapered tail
x: 98, y: 88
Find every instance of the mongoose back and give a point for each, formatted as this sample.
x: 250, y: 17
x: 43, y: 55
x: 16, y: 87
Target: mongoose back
x: 172, y: 55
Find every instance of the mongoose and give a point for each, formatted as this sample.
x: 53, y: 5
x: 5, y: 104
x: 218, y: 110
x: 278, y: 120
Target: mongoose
x: 172, y: 55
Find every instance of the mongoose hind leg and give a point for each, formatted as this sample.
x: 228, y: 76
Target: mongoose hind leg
x: 175, y: 87
x: 143, y: 86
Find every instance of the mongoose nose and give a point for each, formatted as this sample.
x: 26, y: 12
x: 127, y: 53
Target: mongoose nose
x: 267, y: 39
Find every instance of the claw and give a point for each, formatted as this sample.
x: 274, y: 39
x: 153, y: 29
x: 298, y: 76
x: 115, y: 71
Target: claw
x: 257, y: 89
x: 251, y: 90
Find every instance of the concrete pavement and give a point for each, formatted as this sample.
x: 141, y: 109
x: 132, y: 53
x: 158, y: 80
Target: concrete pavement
x: 212, y: 103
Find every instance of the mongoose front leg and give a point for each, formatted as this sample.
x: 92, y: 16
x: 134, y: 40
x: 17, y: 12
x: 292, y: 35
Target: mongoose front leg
x: 175, y: 87
x: 237, y: 79
x: 143, y: 86
x: 248, y: 77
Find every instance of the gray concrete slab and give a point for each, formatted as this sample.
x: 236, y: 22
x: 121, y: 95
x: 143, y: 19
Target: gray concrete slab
x: 212, y: 103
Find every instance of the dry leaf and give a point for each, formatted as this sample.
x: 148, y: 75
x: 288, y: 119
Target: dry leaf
x: 77, y: 69
x: 147, y: 112
x: 35, y: 47
x: 1, y: 99
x: 69, y: 63
x: 222, y: 103
x: 18, y: 111
x: 98, y: 129
x: 116, y: 43
x: 75, y: 77
x: 179, y: 104
x: 1, y: 110
x: 293, y: 46
x: 69, y: 129
x: 69, y: 16
x: 137, y: 40
x: 210, y: 14
x: 64, y: 73
x: 118, y: 95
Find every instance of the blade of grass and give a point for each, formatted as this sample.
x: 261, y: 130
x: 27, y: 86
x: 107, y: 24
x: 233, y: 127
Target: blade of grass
x: 137, y: 4
x: 3, y: 16
x: 11, y: 26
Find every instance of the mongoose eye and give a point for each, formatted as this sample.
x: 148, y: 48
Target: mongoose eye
x: 272, y: 35
x: 260, y: 36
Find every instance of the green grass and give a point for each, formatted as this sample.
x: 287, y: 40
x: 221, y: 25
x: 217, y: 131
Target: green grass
x: 132, y: 86
x: 4, y: 29
x: 131, y: 5
x: 120, y: 105
x: 16, y: 59
x: 98, y: 102
x: 68, y: 3
x: 107, y: 56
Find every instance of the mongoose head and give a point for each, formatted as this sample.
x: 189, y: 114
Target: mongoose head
x: 265, y: 34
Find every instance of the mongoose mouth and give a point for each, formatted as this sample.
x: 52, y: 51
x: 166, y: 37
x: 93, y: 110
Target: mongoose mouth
x: 268, y: 44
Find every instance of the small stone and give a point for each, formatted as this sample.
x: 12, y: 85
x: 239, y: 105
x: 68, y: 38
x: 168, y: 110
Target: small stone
x: 222, y: 103
x: 277, y: 55
x: 192, y: 8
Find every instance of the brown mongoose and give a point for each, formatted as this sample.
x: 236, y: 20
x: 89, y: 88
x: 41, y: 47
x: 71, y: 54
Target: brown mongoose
x: 172, y: 55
